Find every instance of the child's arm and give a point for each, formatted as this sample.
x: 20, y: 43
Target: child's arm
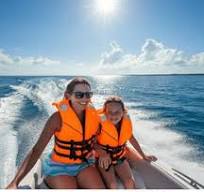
x: 136, y: 145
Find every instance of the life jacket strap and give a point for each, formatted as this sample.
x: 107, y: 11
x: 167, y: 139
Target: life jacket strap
x: 84, y: 146
x: 116, y: 153
x: 71, y: 156
x: 75, y: 142
x: 113, y: 150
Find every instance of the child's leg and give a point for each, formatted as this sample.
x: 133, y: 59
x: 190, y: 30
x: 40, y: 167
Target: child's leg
x: 124, y: 172
x: 109, y: 177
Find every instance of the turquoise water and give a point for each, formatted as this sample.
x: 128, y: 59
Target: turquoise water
x: 167, y: 113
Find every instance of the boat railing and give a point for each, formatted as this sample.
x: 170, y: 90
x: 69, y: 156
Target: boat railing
x: 188, y: 179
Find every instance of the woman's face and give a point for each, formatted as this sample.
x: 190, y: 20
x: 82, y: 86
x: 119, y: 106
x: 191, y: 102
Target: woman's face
x: 80, y: 96
x: 114, y: 112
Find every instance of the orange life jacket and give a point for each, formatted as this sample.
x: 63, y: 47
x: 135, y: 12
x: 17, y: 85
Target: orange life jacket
x: 74, y: 142
x: 111, y: 140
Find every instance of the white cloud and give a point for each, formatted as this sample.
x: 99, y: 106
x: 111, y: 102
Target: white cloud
x: 25, y: 65
x: 80, y: 64
x: 154, y: 52
x: 198, y: 59
x: 18, y: 65
x: 35, y: 61
x: 5, y: 58
x: 115, y: 59
x: 113, y: 56
x: 154, y: 57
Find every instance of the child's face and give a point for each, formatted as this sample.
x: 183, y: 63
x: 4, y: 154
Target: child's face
x: 114, y: 112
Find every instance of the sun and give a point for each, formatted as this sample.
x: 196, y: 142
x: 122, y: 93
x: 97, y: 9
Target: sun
x: 106, y: 7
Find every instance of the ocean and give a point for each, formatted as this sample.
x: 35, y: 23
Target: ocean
x: 167, y: 113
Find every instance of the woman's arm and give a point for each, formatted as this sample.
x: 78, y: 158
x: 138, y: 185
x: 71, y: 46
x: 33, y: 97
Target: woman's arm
x: 53, y: 124
x: 136, y: 145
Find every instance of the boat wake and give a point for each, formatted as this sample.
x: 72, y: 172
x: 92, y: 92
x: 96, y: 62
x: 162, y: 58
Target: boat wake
x: 171, y: 148
x: 24, y: 113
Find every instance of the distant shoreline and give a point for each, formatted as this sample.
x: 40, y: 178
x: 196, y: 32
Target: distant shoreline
x: 190, y: 74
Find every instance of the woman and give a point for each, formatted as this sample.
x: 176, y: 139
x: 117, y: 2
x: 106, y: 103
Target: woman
x: 74, y: 126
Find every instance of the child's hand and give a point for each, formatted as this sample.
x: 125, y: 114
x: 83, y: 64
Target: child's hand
x: 149, y: 158
x: 104, y: 161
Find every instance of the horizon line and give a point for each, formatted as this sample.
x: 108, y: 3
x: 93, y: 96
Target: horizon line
x: 159, y: 74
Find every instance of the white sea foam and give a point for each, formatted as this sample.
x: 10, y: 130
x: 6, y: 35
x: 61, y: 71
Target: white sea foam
x: 44, y: 93
x: 9, y: 114
x: 171, y: 148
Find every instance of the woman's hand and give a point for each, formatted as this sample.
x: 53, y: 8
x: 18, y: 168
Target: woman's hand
x: 104, y: 161
x: 149, y: 158
x: 91, y: 154
x: 12, y: 185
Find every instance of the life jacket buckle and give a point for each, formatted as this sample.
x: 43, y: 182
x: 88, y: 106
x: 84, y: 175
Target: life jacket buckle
x: 72, y: 151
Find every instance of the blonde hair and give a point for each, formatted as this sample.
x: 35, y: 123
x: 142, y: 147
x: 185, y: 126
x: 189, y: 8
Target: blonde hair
x: 114, y: 99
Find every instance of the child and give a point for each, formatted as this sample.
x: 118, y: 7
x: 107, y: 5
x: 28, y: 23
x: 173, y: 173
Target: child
x: 116, y: 130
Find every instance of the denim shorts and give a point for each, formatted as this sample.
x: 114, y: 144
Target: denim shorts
x: 52, y: 168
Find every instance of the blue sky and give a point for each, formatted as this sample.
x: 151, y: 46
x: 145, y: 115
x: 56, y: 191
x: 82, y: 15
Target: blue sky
x: 62, y: 37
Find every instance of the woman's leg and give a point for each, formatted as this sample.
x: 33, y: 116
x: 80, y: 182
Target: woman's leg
x: 109, y: 177
x: 124, y: 172
x: 61, y: 182
x: 89, y: 178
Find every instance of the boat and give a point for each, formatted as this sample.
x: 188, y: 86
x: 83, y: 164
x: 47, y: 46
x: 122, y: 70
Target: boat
x: 154, y: 175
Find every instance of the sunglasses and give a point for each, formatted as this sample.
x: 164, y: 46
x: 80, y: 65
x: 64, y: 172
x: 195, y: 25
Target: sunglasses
x: 80, y: 95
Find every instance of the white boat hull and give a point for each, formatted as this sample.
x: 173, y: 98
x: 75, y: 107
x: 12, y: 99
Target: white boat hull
x: 147, y: 175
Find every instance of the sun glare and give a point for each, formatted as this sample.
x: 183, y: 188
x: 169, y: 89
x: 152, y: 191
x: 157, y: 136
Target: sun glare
x: 106, y: 7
